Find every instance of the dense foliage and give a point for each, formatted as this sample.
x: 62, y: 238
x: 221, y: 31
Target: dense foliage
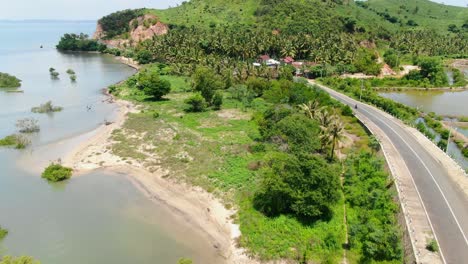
x: 431, y: 72
x: 9, y: 81
x: 56, y: 172
x: 372, y: 217
x: 305, y: 188
x: 152, y: 85
x: 79, y: 42
x: 119, y: 22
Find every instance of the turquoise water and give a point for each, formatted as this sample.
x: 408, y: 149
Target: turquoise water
x: 96, y: 218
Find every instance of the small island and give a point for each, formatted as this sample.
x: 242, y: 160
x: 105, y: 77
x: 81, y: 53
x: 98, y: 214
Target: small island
x: 55, y: 172
x: 9, y: 81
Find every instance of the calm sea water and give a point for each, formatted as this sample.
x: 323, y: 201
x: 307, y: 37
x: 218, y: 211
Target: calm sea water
x: 96, y: 218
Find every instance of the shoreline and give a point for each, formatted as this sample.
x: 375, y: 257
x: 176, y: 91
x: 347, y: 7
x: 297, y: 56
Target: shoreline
x: 435, y: 89
x: 193, y: 205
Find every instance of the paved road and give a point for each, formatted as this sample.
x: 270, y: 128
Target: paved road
x: 445, y: 202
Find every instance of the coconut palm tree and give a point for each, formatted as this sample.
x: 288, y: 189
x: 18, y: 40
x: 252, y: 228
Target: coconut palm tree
x: 310, y: 109
x: 336, y: 130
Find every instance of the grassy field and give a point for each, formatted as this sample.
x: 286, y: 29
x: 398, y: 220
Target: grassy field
x: 425, y: 13
x: 212, y: 150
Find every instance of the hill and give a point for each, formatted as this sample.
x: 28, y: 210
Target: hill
x: 425, y: 14
x: 390, y: 15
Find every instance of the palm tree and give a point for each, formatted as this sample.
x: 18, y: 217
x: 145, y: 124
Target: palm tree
x: 310, y: 109
x: 336, y: 131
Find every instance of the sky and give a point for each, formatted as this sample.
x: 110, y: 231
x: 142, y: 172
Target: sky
x: 72, y: 9
x: 93, y: 9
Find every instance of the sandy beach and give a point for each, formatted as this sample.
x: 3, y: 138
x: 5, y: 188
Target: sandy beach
x: 194, y: 206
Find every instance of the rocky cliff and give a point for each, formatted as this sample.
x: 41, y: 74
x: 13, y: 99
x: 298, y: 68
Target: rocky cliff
x: 141, y: 28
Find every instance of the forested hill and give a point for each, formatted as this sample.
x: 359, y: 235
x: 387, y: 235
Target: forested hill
x: 296, y: 15
x: 323, y: 31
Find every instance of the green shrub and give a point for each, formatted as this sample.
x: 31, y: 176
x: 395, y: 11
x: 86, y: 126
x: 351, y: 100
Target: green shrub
x: 71, y: 72
x: 465, y: 152
x: 347, y: 111
x: 206, y: 82
x: 432, y: 246
x: 19, y: 141
x: 8, y: 141
x: 48, y: 107
x: 54, y: 75
x: 9, y: 81
x: 195, y: 103
x: 3, y: 233
x: 152, y: 85
x: 144, y: 56
x: 217, y: 100
x: 56, y: 172
x: 184, y: 261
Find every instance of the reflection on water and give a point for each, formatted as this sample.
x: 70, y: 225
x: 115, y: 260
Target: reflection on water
x: 97, y: 218
x: 440, y: 102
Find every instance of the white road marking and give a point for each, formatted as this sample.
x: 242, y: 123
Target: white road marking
x: 425, y: 166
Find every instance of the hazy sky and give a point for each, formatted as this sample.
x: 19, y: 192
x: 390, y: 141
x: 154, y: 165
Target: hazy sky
x: 92, y: 9
x: 73, y: 9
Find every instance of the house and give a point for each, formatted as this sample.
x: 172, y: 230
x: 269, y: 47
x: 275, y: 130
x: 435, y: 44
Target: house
x: 263, y: 58
x: 288, y: 60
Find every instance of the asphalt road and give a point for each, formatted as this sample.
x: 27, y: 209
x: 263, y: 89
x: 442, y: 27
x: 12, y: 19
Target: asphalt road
x: 445, y: 202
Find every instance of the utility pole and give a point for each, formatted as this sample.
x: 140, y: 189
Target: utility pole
x: 360, y: 94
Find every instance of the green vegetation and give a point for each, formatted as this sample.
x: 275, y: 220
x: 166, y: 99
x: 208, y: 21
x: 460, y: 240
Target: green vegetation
x: 371, y: 211
x: 70, y: 72
x: 337, y: 36
x: 152, y: 85
x: 184, y: 261
x: 207, y: 83
x: 3, y: 233
x: 48, y: 107
x: 352, y: 87
x: 432, y: 246
x: 195, y: 103
x: 56, y: 172
x: 9, y: 81
x: 119, y: 22
x: 18, y: 260
x: 459, y: 78
x: 278, y: 147
x: 53, y: 74
x: 271, y: 153
x: 79, y: 42
x: 424, y: 14
x: 18, y: 141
